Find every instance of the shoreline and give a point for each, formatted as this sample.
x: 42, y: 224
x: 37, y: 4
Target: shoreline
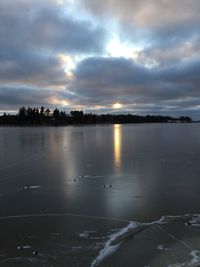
x: 95, y: 124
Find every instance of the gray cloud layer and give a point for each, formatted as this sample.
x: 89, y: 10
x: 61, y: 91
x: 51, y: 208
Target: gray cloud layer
x: 162, y: 77
x: 34, y: 33
x: 100, y: 80
x: 44, y: 25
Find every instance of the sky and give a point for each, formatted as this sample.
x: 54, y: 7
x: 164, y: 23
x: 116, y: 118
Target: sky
x: 130, y: 56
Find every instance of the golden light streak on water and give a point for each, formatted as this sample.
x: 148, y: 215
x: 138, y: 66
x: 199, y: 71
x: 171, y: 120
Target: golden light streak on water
x: 117, y: 145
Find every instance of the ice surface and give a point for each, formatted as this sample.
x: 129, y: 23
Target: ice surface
x: 24, y: 260
x: 194, y: 262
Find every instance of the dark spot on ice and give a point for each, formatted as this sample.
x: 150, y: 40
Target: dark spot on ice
x: 42, y: 210
x: 18, y: 235
x: 107, y: 185
x: 35, y: 252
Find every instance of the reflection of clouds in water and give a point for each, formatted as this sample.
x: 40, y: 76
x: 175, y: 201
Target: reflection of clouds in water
x: 117, y: 144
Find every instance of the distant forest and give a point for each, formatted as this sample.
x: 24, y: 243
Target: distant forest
x: 42, y: 116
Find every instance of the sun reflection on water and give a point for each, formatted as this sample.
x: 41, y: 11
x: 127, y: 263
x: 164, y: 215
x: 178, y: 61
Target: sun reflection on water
x: 117, y: 144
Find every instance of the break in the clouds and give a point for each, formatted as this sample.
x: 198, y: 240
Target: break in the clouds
x: 90, y: 55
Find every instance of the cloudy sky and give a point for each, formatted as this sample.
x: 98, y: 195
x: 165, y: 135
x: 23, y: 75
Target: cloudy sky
x: 130, y: 56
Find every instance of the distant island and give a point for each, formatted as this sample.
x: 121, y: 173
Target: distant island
x: 34, y: 116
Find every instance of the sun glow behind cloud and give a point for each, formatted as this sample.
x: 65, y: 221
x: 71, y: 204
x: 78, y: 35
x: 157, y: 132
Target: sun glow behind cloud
x: 117, y: 48
x: 117, y: 105
x: 68, y: 63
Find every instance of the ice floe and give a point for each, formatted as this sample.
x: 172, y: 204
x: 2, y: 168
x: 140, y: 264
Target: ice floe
x: 133, y: 228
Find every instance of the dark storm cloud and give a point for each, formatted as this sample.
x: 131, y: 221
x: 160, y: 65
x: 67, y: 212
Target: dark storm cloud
x: 108, y: 80
x: 111, y: 71
x: 19, y: 96
x: 32, y: 67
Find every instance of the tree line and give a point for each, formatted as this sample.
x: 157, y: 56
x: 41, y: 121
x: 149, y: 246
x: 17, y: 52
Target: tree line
x: 42, y: 116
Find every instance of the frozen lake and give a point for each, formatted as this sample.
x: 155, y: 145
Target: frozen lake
x: 83, y: 184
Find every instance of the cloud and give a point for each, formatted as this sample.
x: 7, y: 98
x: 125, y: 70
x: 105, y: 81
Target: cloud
x: 165, y: 56
x: 46, y: 26
x: 143, y: 13
x: 19, y: 96
x: 31, y: 67
x: 150, y: 22
x: 99, y: 82
x: 33, y: 36
x: 13, y: 97
x: 108, y: 80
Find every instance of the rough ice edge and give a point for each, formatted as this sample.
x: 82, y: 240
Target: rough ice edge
x: 108, y: 247
x: 170, y: 218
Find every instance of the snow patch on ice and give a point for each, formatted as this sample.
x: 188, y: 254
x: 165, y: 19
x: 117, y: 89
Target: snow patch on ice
x: 86, y: 233
x: 195, y: 221
x: 108, y: 247
x: 35, y: 186
x: 163, y: 247
x: 195, y: 257
x: 26, y: 187
x: 23, y: 247
x: 116, y: 238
